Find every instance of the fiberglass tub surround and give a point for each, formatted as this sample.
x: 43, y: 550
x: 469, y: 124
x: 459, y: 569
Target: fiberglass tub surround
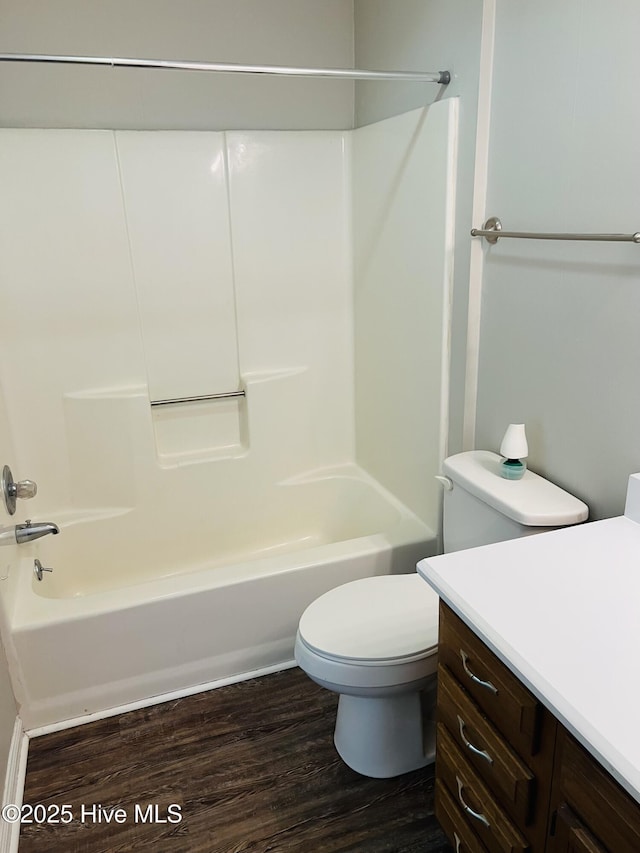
x: 175, y: 265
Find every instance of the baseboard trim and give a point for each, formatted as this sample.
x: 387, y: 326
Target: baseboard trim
x: 14, y: 786
x: 156, y: 700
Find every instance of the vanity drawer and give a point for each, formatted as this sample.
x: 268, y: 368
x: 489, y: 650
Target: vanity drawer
x: 608, y: 811
x: 453, y: 822
x: 485, y: 748
x: 514, y: 711
x: 481, y: 813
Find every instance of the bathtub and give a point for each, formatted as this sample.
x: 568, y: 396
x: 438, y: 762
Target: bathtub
x: 139, y: 607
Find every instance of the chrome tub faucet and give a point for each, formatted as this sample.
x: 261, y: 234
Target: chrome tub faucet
x: 27, y: 532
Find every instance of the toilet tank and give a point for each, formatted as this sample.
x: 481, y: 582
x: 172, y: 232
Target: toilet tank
x: 482, y: 507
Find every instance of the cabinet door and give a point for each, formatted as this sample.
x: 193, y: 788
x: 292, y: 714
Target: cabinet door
x: 571, y: 836
x: 597, y: 799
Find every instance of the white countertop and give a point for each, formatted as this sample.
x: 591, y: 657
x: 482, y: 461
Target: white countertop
x: 562, y: 611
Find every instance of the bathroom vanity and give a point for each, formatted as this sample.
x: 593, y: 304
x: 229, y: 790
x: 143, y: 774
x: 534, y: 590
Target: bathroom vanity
x: 538, y: 740
x: 510, y: 777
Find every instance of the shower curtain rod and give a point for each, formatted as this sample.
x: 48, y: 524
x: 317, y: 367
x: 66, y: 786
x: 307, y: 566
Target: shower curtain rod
x: 442, y: 77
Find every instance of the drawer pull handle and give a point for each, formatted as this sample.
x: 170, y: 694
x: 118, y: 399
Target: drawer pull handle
x: 458, y: 841
x: 486, y: 684
x: 477, y: 815
x: 474, y: 749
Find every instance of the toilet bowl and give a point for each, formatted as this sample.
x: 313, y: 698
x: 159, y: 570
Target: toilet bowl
x: 374, y: 642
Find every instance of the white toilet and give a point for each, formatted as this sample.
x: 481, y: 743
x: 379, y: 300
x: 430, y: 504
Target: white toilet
x: 374, y: 641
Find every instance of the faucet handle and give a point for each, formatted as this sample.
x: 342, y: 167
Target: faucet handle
x: 25, y: 489
x: 12, y: 490
x: 38, y: 569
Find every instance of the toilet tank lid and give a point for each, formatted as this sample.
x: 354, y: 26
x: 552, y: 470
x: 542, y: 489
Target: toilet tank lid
x: 532, y: 501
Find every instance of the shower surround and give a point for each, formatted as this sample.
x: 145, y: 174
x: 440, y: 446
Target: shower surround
x: 309, y: 270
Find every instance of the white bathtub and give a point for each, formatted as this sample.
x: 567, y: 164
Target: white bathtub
x: 138, y: 608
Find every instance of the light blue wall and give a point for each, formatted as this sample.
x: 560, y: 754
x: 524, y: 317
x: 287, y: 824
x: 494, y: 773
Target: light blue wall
x: 560, y: 331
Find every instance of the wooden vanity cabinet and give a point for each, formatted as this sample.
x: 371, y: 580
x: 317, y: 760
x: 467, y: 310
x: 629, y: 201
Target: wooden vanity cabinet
x: 509, y: 777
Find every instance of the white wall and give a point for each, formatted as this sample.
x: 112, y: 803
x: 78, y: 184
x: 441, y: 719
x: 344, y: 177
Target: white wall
x: 560, y: 346
x: 277, y: 32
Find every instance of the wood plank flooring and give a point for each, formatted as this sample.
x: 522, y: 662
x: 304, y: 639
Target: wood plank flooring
x: 251, y: 766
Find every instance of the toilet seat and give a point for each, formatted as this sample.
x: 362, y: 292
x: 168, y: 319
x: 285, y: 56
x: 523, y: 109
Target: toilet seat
x: 380, y: 621
x: 374, y: 633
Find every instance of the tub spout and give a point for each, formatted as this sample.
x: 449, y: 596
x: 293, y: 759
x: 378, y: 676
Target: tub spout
x: 28, y: 531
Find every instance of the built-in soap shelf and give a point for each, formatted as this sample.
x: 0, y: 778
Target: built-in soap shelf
x: 201, y: 430
x: 135, y: 436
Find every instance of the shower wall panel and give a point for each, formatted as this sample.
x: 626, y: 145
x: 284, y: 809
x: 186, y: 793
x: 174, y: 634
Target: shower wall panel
x: 176, y: 203
x: 127, y: 278
x: 403, y: 197
x: 69, y: 318
x: 291, y: 238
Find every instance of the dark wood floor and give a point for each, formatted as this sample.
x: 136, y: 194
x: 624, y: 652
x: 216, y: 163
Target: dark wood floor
x: 252, y: 767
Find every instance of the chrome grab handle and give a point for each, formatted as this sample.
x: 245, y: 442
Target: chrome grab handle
x: 486, y: 684
x: 476, y: 751
x: 458, y: 841
x: 477, y: 815
x: 200, y: 398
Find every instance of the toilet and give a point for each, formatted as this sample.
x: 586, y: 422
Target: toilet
x: 374, y: 641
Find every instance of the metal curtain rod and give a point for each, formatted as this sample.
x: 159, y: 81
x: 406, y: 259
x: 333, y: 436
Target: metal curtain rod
x: 492, y: 232
x: 442, y: 77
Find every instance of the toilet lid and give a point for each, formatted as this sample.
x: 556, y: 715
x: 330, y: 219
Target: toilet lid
x: 374, y: 619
